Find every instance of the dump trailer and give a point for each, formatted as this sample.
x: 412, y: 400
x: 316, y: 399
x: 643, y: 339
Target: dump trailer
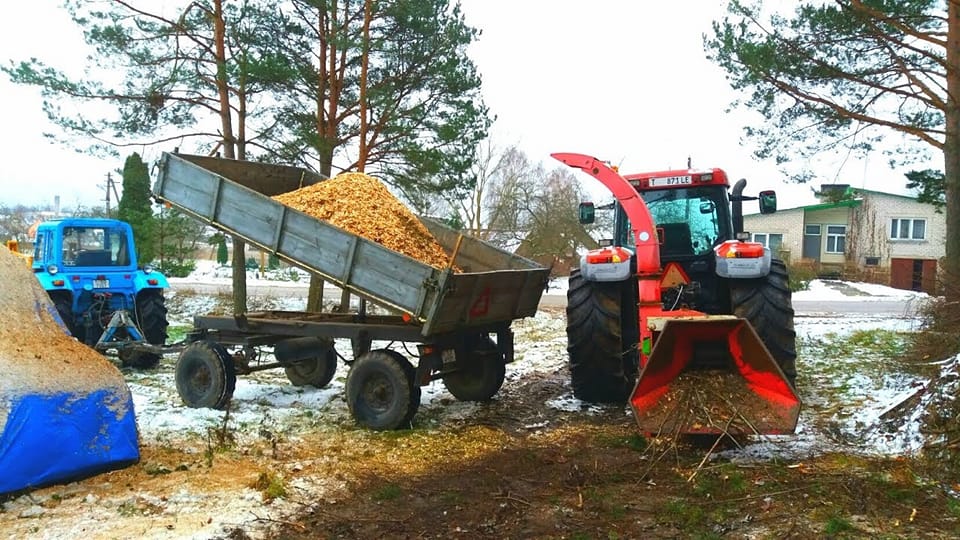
x: 459, y: 320
x: 680, y: 314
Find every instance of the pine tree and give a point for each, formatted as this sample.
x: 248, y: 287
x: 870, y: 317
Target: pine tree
x: 136, y: 208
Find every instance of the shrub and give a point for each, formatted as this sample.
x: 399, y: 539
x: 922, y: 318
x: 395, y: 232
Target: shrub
x: 801, y: 274
x: 178, y: 269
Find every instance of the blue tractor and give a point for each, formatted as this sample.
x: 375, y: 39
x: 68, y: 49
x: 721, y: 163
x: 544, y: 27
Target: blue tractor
x: 89, y: 268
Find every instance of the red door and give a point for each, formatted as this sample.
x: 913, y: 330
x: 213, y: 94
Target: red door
x: 914, y: 274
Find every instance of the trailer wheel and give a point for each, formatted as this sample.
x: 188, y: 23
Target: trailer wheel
x: 205, y: 375
x: 482, y: 372
x: 151, y: 317
x: 317, y: 371
x: 381, y: 392
x: 766, y: 303
x: 415, y: 391
x: 601, y: 339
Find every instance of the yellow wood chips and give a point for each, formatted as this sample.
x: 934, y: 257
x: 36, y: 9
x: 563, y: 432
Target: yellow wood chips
x: 362, y: 205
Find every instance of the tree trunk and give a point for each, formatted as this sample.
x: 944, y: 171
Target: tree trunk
x: 951, y: 152
x: 229, y: 150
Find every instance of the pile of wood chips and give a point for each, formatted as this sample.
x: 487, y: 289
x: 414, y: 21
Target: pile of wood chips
x: 362, y: 205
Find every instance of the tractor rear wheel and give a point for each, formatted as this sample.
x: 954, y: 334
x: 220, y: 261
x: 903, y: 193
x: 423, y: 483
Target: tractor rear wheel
x: 64, y: 305
x: 766, y: 303
x: 601, y: 339
x: 151, y: 317
x: 482, y: 372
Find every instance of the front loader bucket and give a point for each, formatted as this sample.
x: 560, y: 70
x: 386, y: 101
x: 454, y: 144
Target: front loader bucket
x: 713, y: 375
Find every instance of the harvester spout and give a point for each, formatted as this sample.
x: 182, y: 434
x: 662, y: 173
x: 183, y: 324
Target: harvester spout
x: 644, y: 230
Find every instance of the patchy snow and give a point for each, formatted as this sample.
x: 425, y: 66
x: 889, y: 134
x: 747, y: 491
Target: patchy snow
x: 212, y: 272
x: 841, y: 291
x: 844, y: 409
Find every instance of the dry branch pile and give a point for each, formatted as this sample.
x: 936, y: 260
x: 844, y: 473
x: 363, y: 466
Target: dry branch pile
x: 362, y: 205
x: 711, y: 400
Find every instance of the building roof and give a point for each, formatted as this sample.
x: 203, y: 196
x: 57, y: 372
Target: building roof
x: 855, y: 200
x: 848, y: 203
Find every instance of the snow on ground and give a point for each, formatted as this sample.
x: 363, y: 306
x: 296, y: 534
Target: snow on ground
x: 848, y: 291
x: 845, y: 401
x: 540, y: 344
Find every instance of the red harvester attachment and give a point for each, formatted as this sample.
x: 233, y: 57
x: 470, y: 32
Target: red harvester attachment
x: 699, y: 373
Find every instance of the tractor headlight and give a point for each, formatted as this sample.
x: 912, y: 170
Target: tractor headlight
x: 52, y: 269
x: 147, y: 268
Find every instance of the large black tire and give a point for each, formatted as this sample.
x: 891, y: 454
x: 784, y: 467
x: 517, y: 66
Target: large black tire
x: 205, y: 375
x: 381, y: 392
x: 415, y: 390
x: 766, y: 303
x: 150, y: 313
x: 481, y: 373
x: 602, y: 339
x: 317, y: 371
x: 64, y: 304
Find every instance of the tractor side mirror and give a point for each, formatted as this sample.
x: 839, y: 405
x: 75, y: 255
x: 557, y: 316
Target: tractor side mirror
x: 768, y: 202
x: 588, y: 213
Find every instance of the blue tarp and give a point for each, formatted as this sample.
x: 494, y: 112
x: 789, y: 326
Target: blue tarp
x: 66, y: 436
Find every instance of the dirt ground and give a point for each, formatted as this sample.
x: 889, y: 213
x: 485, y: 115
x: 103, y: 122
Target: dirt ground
x: 498, y: 475
x: 595, y: 477
x: 512, y: 468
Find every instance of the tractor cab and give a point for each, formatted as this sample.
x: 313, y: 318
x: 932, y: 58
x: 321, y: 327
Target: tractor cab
x: 695, y: 215
x: 89, y: 268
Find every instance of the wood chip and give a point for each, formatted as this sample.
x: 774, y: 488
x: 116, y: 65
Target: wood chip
x: 361, y: 204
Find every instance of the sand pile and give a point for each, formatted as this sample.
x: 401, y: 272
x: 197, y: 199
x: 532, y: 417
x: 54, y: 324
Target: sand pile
x: 37, y: 357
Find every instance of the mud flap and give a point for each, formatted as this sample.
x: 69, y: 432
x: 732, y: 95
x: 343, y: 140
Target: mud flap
x: 712, y: 375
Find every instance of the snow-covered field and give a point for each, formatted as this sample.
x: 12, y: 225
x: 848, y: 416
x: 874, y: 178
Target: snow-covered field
x: 845, y: 406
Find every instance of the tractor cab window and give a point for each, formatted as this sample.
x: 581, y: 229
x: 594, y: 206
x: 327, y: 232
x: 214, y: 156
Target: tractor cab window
x: 94, y: 246
x: 689, y: 220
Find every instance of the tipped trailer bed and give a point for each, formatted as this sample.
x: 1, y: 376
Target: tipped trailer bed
x: 459, y: 321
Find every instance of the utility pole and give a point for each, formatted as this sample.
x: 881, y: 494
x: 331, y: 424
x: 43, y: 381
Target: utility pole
x: 111, y: 187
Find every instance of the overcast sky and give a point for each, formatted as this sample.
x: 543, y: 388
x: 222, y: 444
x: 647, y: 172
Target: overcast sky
x: 624, y: 81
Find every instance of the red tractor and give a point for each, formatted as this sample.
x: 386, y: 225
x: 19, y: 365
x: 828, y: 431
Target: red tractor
x: 681, y: 314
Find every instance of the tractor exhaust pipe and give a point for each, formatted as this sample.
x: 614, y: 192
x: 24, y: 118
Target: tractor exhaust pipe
x: 736, y: 205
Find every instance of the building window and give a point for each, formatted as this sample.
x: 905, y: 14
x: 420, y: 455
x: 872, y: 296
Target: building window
x: 812, y: 230
x: 836, y: 238
x: 774, y: 241
x: 871, y: 261
x: 908, y: 229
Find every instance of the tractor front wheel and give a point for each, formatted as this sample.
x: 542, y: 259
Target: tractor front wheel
x: 601, y: 339
x: 766, y: 303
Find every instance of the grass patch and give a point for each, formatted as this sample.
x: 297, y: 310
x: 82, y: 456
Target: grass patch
x: 836, y: 525
x: 684, y: 515
x: 177, y: 332
x: 635, y: 442
x: 388, y: 492
x: 271, y: 485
